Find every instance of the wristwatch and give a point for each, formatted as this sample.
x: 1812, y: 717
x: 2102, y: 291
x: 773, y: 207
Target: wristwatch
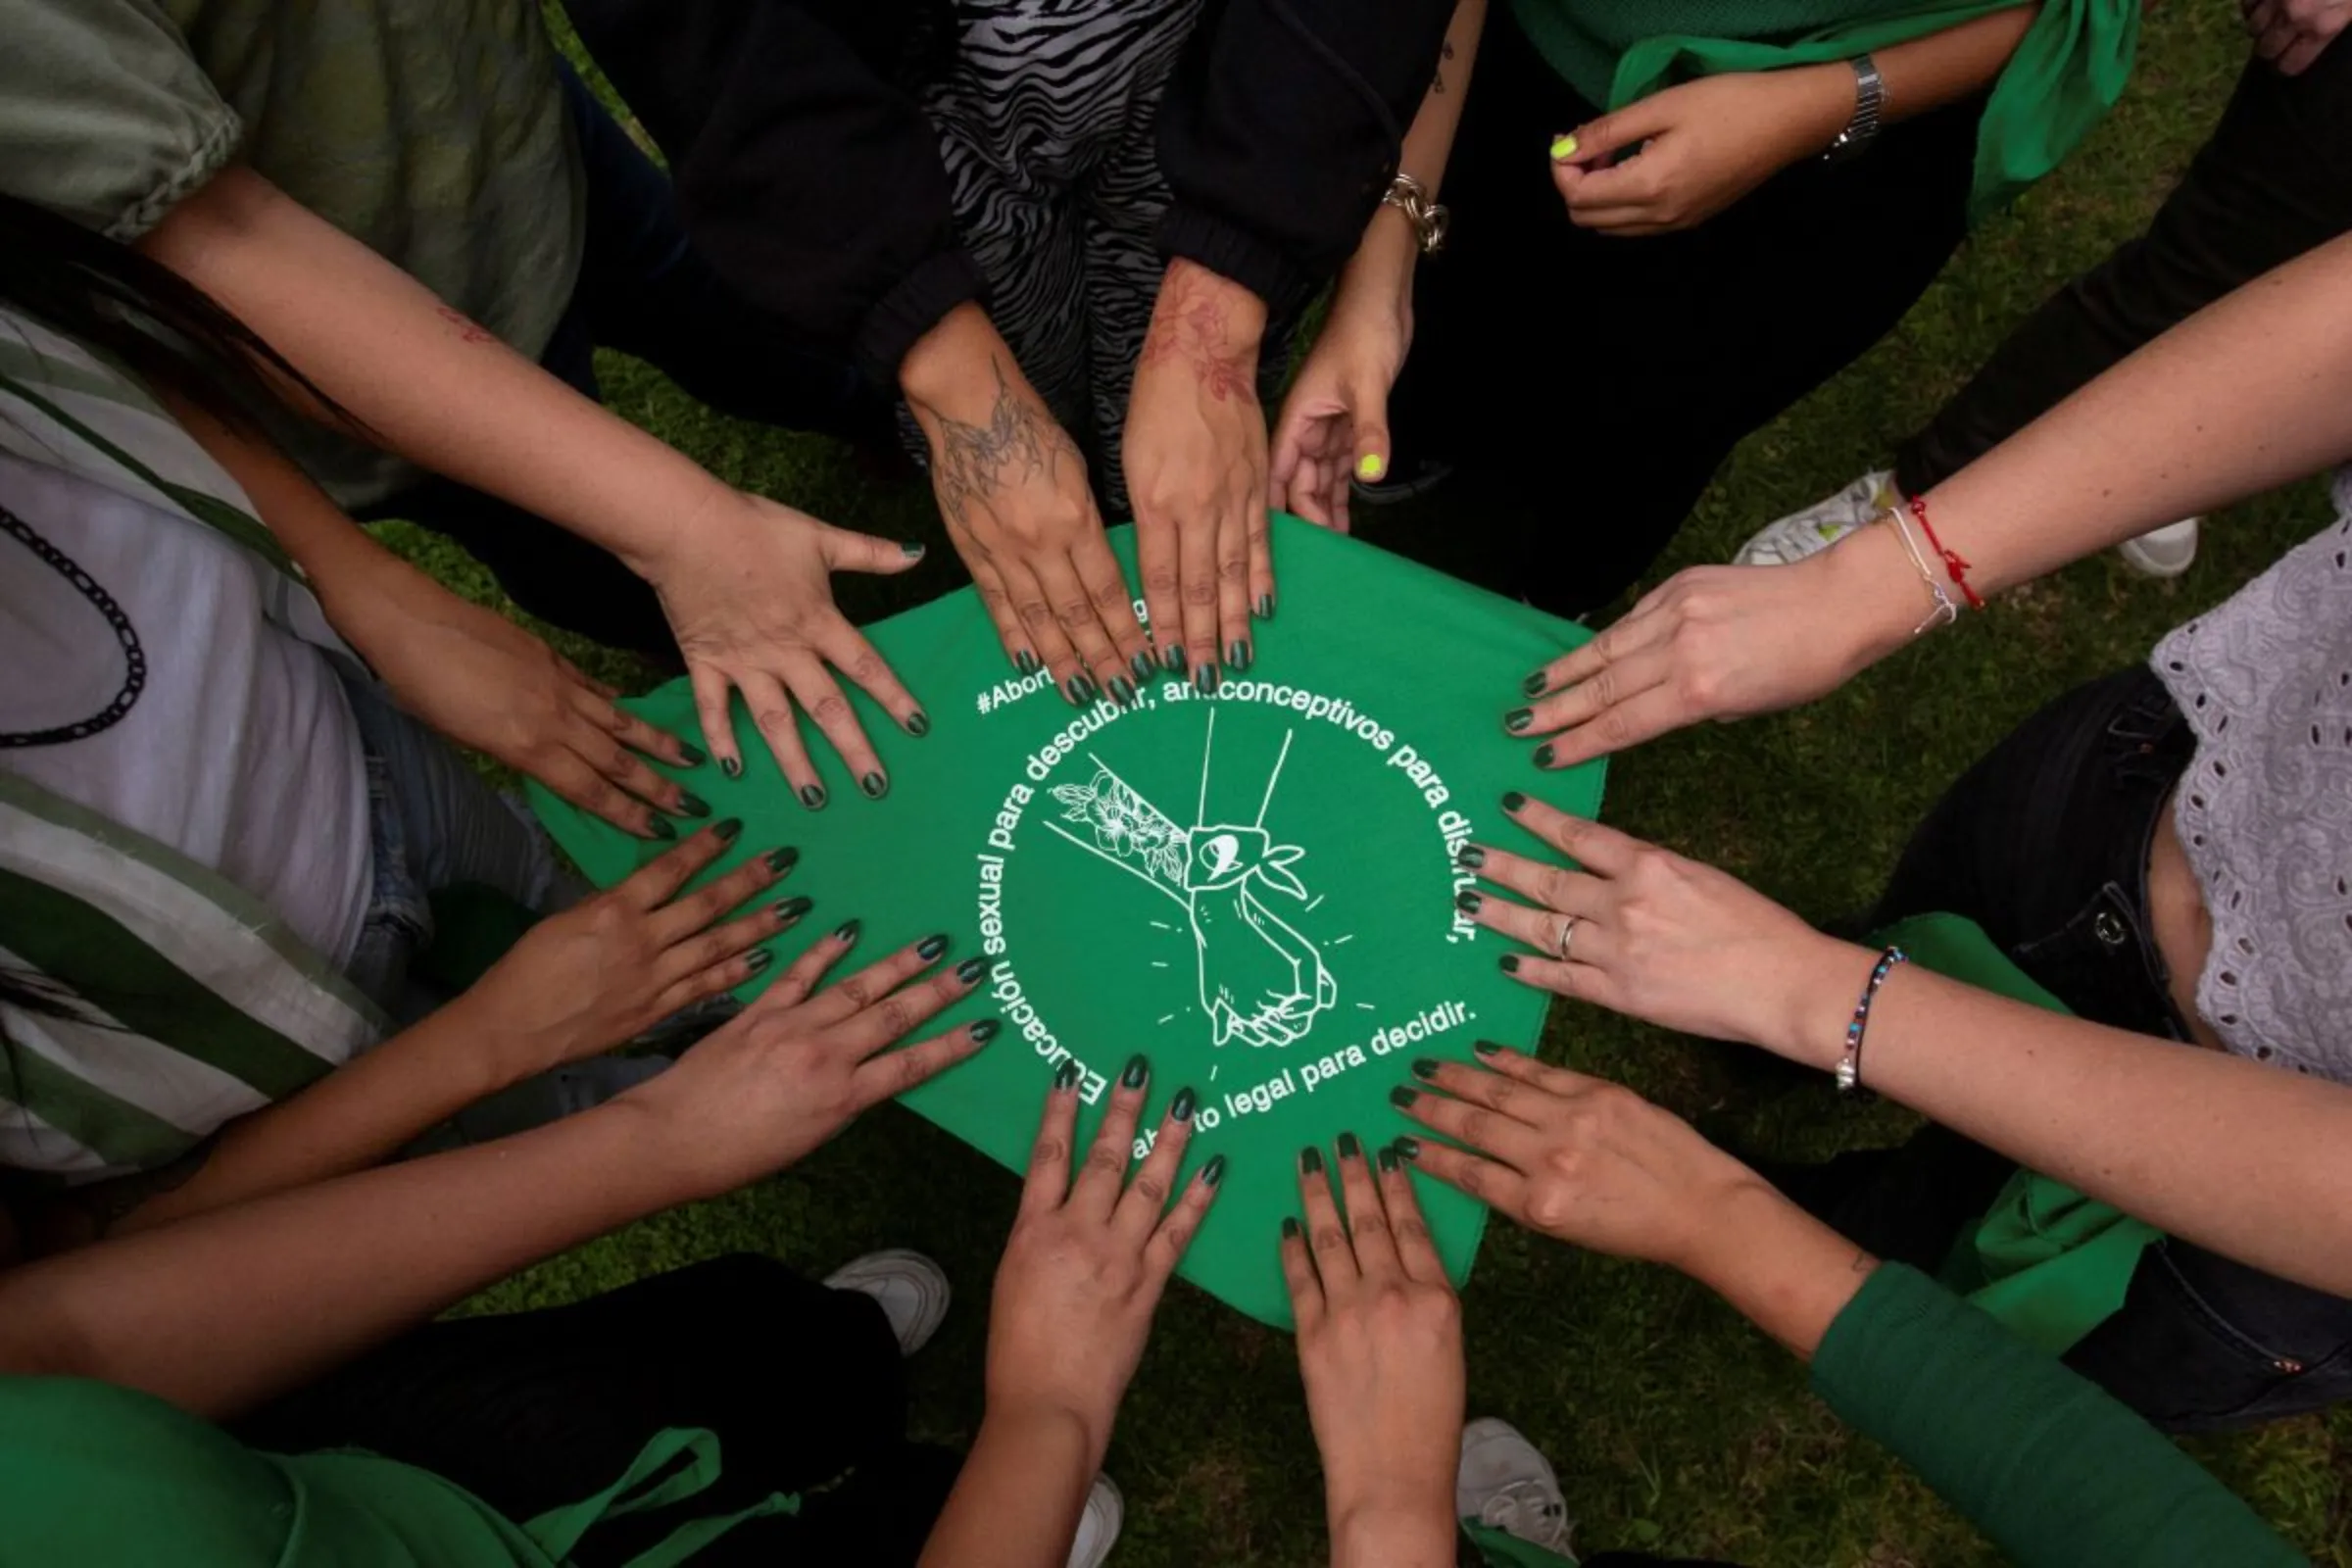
x: 1870, y: 102
x: 1411, y: 198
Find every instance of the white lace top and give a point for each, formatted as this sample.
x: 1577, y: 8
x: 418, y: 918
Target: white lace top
x: 2265, y: 810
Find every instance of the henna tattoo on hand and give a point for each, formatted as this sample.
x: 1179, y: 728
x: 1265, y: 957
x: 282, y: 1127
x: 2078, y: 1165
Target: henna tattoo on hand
x: 974, y: 463
x: 1190, y: 325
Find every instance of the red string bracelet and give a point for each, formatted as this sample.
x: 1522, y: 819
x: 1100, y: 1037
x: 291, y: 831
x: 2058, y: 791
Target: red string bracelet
x: 1953, y: 562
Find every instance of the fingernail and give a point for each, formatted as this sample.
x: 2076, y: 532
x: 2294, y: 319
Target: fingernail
x: 1471, y: 857
x: 792, y: 908
x: 732, y: 767
x: 783, y: 860
x: 813, y: 795
x: 1066, y: 1074
x: 1425, y: 1069
x: 1514, y: 800
x: 1142, y: 664
x: 1534, y: 684
x: 759, y: 960
x: 918, y: 723
x: 1204, y: 679
x: 1214, y: 1172
x: 727, y: 829
x: 1468, y: 901
x: 1369, y: 467
x: 692, y: 804
x: 1265, y: 607
x: 1563, y: 148
x: 1518, y: 719
x: 693, y: 755
x: 848, y: 930
x: 1138, y: 1069
x: 1403, y: 1095
x: 874, y: 785
x: 1409, y: 1147
x: 1310, y: 1161
x: 1172, y: 659
x: 1349, y: 1149
x: 910, y: 550
x: 1181, y: 1108
x: 1544, y: 755
x: 1509, y: 962
x: 1289, y: 1228
x: 930, y: 947
x: 1082, y: 689
x: 1236, y: 653
x: 660, y: 828
x: 970, y: 970
x: 1486, y: 1047
x: 1387, y: 1161
x: 983, y: 1030
x: 1026, y: 661
x: 1122, y: 691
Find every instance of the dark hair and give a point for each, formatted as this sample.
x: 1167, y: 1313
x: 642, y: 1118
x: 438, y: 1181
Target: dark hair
x: 114, y: 298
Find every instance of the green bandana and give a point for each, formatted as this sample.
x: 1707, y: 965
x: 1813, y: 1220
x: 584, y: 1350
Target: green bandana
x: 1254, y: 891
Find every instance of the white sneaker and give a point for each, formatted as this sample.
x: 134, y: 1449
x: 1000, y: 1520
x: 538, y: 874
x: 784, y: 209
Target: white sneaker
x: 1098, y: 1526
x: 1820, y: 525
x: 911, y: 1289
x: 1505, y: 1484
x: 2165, y: 552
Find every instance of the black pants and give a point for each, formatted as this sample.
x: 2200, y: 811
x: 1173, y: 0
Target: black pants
x: 1588, y: 387
x: 2045, y: 844
x: 645, y: 291
x: 534, y: 1410
x: 2274, y: 181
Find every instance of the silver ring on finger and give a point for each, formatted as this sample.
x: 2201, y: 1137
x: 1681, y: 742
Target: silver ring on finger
x: 1567, y: 932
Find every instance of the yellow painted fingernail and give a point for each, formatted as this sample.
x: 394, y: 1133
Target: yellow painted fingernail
x: 1563, y: 148
x: 1369, y: 465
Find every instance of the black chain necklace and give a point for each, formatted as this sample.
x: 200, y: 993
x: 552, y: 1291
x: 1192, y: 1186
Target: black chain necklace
x: 134, y: 658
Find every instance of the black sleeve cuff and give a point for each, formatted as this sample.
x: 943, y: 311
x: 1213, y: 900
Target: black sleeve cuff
x: 1231, y: 251
x: 943, y: 281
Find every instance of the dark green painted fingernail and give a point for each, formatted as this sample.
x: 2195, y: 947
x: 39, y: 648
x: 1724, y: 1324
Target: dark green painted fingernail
x: 1289, y: 1228
x: 1514, y: 800
x: 1425, y: 1069
x: 1204, y: 679
x: 918, y: 723
x: 1471, y: 857
x: 1138, y: 1069
x: 1544, y: 755
x: 874, y: 785
x: 1310, y: 1161
x: 1468, y: 901
x: 1142, y: 664
x: 1236, y: 653
x: 1026, y: 661
x: 1122, y: 691
x: 1486, y: 1048
x: 692, y: 804
x: 732, y: 767
x: 1181, y: 1108
x: 1082, y: 689
x: 693, y: 755
x: 660, y: 828
x: 1388, y: 1160
x: 1349, y: 1149
x: 727, y: 829
x: 1509, y: 962
x: 1066, y: 1074
x: 1518, y: 719
x: 970, y: 970
x: 1172, y: 659
x: 910, y: 550
x: 1403, y: 1095
x: 759, y: 959
x: 848, y: 930
x: 1534, y: 684
x: 792, y: 908
x: 984, y: 1030
x: 813, y: 795
x: 1214, y: 1172
x: 1265, y: 607
x: 930, y: 947
x: 783, y: 860
x: 1409, y: 1147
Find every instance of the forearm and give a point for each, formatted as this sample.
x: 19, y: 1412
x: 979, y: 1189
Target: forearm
x: 1782, y: 1269
x: 1017, y: 1499
x: 430, y: 386
x: 1944, y: 68
x: 1382, y: 268
x: 230, y: 1308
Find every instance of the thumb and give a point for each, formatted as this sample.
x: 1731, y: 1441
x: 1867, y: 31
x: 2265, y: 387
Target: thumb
x: 1592, y: 144
x: 1371, y: 434
x: 845, y: 551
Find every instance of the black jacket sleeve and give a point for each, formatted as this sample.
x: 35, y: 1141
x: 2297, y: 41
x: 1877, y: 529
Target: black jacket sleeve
x: 1282, y: 132
x: 809, y: 179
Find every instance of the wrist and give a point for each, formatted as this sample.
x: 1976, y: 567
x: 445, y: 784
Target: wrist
x: 957, y: 365
x: 1786, y: 1271
x: 1208, y: 315
x: 1051, y: 1427
x: 1822, y: 100
x: 1394, y: 1532
x: 1873, y: 593
x: 1825, y: 980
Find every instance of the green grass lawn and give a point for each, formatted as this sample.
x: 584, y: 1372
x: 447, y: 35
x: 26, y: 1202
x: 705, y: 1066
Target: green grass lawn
x: 1673, y: 1426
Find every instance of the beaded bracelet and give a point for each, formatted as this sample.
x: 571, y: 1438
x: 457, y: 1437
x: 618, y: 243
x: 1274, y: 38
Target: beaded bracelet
x: 1849, y: 1066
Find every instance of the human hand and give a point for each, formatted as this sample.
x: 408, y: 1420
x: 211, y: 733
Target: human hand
x: 802, y: 1063
x: 1012, y: 488
x: 1195, y: 457
x: 614, y: 965
x: 2292, y: 33
x: 1725, y: 642
x: 1089, y: 1259
x: 1642, y: 931
x: 1697, y: 147
x: 1335, y: 418
x: 1380, y: 1349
